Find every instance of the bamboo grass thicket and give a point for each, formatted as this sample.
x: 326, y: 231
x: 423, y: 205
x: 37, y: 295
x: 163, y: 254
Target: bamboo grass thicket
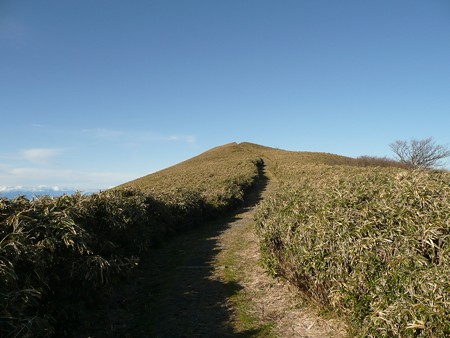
x: 372, y: 244
x: 58, y: 256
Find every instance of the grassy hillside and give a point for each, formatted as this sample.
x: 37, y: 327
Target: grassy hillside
x: 219, y: 177
x: 58, y: 256
x: 371, y: 243
x: 362, y: 237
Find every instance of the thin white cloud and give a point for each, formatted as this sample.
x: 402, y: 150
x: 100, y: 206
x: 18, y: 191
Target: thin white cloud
x: 136, y: 137
x: 103, y: 133
x: 39, y: 155
x: 181, y: 138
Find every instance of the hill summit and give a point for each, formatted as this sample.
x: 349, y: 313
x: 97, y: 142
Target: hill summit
x: 212, y: 162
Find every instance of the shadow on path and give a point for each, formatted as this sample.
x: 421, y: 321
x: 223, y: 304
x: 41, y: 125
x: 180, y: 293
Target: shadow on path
x: 175, y: 292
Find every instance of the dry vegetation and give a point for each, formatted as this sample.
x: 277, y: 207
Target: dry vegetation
x: 370, y: 243
x: 218, y: 177
x: 60, y: 255
x: 363, y: 237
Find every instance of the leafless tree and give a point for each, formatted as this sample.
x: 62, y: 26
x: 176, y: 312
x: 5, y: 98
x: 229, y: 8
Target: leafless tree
x: 420, y: 153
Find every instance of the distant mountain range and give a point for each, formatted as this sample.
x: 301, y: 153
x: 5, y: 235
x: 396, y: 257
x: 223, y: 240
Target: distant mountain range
x: 30, y: 192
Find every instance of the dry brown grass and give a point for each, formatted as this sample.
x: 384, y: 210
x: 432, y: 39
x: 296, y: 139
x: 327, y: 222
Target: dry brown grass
x: 370, y: 243
x: 219, y: 177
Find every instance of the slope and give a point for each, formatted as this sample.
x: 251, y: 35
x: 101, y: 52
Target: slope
x: 50, y: 245
x: 218, y: 176
x: 208, y: 282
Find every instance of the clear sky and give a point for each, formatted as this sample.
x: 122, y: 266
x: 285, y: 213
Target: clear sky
x: 94, y: 93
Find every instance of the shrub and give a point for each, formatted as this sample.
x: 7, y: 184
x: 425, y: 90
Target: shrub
x: 373, y: 244
x: 374, y: 161
x: 52, y: 265
x: 59, y: 256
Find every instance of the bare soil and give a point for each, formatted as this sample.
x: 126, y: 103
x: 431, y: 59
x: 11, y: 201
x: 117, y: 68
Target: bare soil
x: 209, y: 283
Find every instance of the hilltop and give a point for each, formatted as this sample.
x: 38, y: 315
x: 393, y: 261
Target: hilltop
x: 212, y: 164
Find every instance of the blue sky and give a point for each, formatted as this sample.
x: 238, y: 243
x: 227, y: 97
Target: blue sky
x: 94, y: 93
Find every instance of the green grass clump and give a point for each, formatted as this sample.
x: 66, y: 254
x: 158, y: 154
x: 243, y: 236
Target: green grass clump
x: 373, y: 244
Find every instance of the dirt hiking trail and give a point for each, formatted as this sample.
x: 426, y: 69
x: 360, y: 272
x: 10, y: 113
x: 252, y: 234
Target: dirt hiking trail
x: 209, y: 283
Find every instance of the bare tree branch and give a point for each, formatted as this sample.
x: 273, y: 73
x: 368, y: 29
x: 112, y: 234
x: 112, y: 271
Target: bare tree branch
x: 420, y: 153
